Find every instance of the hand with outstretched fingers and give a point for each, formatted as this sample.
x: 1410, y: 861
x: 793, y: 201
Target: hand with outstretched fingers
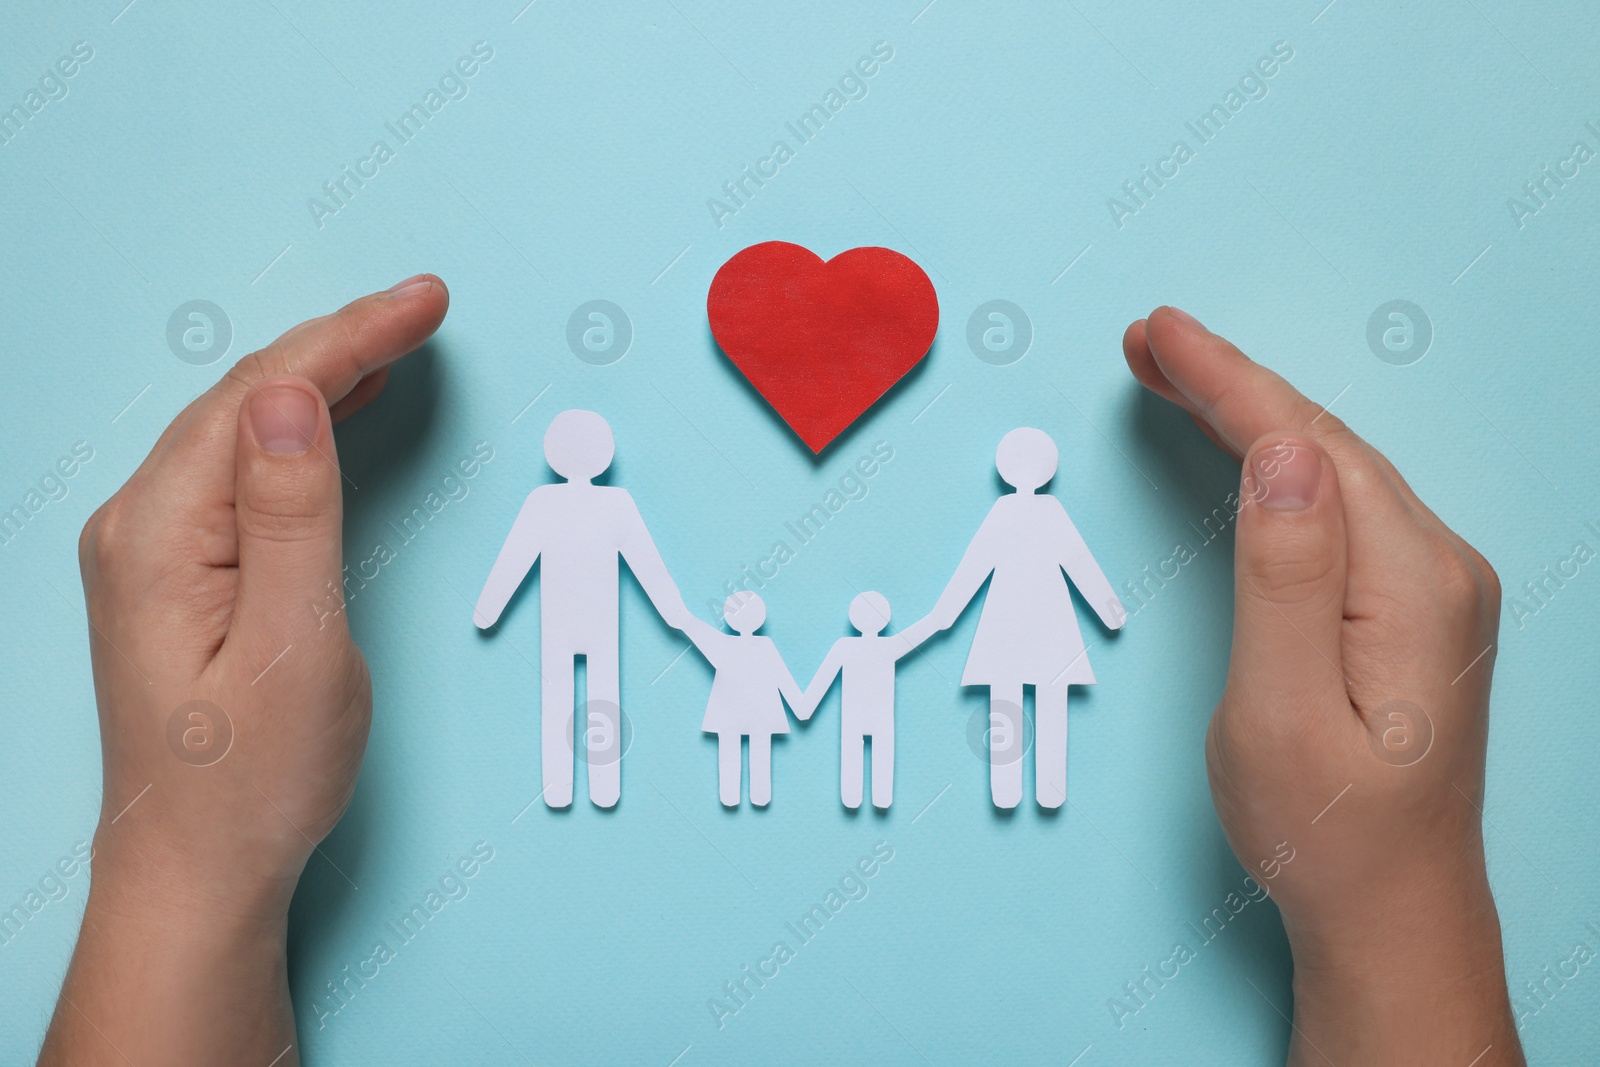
x: 1352, y: 730
x: 233, y: 704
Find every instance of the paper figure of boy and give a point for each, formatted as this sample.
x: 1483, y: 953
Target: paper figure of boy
x: 866, y: 697
x: 748, y: 692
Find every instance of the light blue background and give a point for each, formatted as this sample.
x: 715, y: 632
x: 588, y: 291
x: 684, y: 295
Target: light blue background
x: 1378, y: 167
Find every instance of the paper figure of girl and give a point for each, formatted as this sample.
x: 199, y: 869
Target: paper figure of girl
x: 1028, y: 631
x: 748, y: 692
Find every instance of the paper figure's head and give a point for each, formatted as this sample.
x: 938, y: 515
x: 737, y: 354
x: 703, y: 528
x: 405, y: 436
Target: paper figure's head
x: 578, y: 445
x: 745, y: 612
x: 869, y: 613
x: 1026, y: 458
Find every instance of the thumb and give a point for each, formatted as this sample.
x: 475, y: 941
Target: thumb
x: 288, y: 508
x: 1289, y: 572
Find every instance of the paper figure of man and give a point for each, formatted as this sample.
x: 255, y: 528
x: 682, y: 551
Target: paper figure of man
x: 576, y: 531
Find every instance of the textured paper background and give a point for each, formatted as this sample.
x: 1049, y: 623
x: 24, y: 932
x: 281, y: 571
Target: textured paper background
x: 578, y: 167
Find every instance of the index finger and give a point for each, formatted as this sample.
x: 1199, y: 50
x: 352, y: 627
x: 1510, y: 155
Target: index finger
x: 340, y: 353
x: 190, y: 470
x: 337, y: 351
x: 1241, y: 402
x: 1237, y: 397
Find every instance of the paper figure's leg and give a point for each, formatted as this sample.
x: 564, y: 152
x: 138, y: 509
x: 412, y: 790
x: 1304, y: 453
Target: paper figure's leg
x: 1006, y: 726
x: 729, y: 768
x: 555, y: 732
x: 602, y: 735
x: 1050, y: 745
x: 851, y: 743
x: 760, y: 769
x: 883, y: 768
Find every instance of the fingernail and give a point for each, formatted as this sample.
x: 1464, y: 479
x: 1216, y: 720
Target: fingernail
x: 414, y: 284
x: 1184, y: 317
x: 285, y: 419
x: 1287, y: 477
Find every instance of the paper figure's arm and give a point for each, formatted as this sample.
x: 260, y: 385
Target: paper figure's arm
x: 1088, y: 577
x: 908, y: 639
x: 791, y: 691
x: 821, y: 682
x: 973, y: 570
x: 516, y: 559
x: 644, y: 560
x: 703, y: 635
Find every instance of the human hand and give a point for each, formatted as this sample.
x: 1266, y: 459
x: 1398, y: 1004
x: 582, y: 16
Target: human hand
x: 1351, y: 733
x: 214, y: 575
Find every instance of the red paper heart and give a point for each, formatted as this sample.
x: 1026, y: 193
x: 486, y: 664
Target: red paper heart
x: 822, y: 340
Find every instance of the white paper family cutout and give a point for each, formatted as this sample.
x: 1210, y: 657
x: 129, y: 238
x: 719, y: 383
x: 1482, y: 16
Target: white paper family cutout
x: 1027, y: 631
x: 748, y: 692
x: 865, y: 666
x: 576, y: 530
